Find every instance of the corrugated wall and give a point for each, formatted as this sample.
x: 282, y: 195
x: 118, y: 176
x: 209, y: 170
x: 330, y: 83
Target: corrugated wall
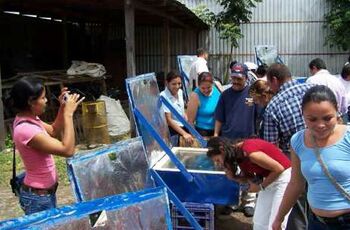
x: 294, y: 27
x: 149, y: 53
x: 148, y: 44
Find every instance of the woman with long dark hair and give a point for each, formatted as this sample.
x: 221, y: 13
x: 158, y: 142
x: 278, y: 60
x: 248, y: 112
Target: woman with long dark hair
x: 174, y: 95
x: 37, y: 141
x: 260, y: 164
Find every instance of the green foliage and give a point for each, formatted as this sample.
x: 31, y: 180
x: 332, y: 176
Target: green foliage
x: 228, y: 21
x: 8, y: 141
x: 6, y: 167
x: 205, y: 15
x: 230, y: 31
x: 61, y: 167
x: 338, y: 22
x: 236, y: 11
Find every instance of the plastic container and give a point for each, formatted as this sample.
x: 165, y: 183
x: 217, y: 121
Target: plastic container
x: 95, y: 122
x: 203, y: 213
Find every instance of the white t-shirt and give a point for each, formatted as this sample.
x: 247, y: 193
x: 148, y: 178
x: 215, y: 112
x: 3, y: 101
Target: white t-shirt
x: 323, y: 77
x: 197, y: 67
x: 177, y: 103
x: 347, y: 88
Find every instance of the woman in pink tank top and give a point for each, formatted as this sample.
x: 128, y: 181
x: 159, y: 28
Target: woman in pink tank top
x: 37, y: 141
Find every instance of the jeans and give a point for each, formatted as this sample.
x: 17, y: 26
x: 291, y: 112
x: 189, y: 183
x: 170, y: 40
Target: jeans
x: 316, y: 224
x: 31, y: 202
x: 174, y: 140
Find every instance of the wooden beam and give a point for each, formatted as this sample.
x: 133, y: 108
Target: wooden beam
x: 166, y: 47
x: 129, y: 15
x: 2, y: 122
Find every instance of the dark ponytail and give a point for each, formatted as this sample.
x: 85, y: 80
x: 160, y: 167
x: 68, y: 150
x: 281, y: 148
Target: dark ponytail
x: 25, y: 90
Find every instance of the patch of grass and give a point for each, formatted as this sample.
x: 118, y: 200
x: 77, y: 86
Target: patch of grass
x: 6, y: 168
x: 61, y: 168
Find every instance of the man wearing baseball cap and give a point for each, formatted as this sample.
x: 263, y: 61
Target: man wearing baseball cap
x: 232, y: 108
x: 235, y: 119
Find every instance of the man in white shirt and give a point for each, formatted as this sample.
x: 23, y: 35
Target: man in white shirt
x: 321, y: 76
x: 198, y: 66
x: 252, y: 67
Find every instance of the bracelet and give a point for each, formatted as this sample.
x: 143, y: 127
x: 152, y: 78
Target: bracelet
x: 261, y: 187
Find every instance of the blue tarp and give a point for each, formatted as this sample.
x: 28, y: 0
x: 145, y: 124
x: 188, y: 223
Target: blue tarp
x: 147, y: 209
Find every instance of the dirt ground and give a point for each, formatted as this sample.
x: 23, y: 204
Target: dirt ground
x: 9, y: 208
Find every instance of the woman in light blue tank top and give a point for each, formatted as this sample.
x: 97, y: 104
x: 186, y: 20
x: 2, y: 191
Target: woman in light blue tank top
x: 330, y: 206
x: 202, y: 104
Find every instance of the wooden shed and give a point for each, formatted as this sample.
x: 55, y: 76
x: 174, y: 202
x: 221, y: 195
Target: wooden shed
x: 127, y: 36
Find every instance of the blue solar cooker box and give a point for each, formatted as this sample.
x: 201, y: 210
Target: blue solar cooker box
x: 188, y: 172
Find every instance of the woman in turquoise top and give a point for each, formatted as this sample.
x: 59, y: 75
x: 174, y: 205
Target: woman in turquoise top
x: 330, y: 208
x: 202, y: 104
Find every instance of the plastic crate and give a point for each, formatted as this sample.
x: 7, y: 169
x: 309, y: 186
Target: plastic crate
x: 203, y: 213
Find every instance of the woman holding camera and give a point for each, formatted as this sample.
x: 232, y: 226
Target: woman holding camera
x: 37, y: 141
x: 262, y: 165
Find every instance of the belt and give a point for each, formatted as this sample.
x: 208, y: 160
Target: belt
x: 345, y: 218
x: 40, y: 191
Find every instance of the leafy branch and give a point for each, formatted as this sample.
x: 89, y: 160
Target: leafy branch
x: 338, y: 21
x: 228, y: 21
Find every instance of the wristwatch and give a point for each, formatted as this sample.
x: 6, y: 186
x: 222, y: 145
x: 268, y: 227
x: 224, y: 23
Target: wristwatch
x: 261, y: 187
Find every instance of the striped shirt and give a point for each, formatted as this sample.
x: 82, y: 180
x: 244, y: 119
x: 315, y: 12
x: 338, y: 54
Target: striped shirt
x: 283, y: 117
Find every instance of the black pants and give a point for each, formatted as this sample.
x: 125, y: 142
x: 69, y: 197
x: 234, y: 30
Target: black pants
x: 205, y: 132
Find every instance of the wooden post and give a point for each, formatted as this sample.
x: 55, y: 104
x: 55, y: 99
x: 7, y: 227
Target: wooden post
x: 129, y: 16
x: 166, y: 47
x: 2, y: 122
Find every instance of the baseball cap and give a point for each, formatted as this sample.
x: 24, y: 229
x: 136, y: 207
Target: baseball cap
x: 239, y: 69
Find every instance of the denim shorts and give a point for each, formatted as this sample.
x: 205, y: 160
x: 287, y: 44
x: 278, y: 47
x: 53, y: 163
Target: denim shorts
x: 31, y: 202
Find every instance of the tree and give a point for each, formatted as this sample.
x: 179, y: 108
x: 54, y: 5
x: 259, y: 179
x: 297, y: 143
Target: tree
x: 338, y: 22
x: 228, y: 21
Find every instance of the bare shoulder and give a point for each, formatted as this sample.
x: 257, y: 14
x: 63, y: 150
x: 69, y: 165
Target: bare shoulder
x: 194, y: 96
